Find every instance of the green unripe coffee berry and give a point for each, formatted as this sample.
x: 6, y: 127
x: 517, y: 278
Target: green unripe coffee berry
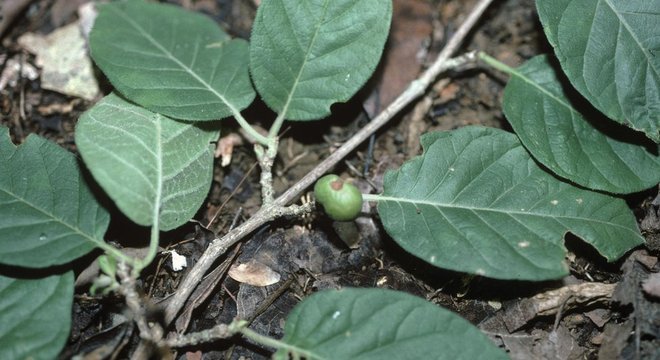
x: 340, y: 200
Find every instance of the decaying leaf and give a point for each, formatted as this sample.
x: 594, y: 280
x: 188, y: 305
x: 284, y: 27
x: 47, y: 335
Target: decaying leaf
x: 651, y: 285
x: 225, y: 148
x: 63, y: 57
x: 254, y: 273
x: 15, y: 69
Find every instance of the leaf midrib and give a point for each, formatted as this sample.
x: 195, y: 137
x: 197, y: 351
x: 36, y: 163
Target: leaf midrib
x: 502, y: 211
x: 75, y: 230
x: 625, y: 24
x: 170, y: 56
x: 155, y: 221
x: 292, y: 91
x: 534, y: 84
x: 576, y: 120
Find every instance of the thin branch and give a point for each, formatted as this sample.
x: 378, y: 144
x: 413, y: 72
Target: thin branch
x: 414, y: 90
x: 277, y: 209
x: 225, y: 331
x: 220, y: 331
x: 128, y: 288
x: 250, y: 130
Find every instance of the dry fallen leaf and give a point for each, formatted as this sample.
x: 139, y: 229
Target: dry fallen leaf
x: 62, y: 55
x: 651, y: 285
x: 254, y: 273
x: 64, y: 10
x: 9, y: 10
x: 14, y: 70
x: 225, y: 148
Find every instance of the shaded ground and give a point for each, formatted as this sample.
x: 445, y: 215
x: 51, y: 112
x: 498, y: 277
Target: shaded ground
x: 599, y: 311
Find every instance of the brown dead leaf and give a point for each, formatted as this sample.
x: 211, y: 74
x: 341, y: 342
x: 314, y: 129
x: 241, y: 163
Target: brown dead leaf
x: 615, y: 339
x: 225, y: 148
x: 9, y: 10
x: 599, y: 316
x: 651, y: 285
x: 550, y: 302
x: 15, y: 69
x: 63, y: 10
x: 254, y: 273
x: 402, y: 60
x: 197, y: 355
x: 58, y: 108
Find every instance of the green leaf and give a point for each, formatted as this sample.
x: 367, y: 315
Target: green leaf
x: 361, y: 324
x: 609, y: 50
x: 35, y: 316
x: 558, y: 135
x: 48, y: 216
x: 476, y: 202
x: 171, y: 61
x: 147, y: 162
x: 306, y: 55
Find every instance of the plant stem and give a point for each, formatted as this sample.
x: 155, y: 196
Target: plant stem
x: 496, y: 63
x: 155, y: 216
x: 116, y: 253
x: 136, y: 305
x: 250, y: 130
x: 277, y: 125
x: 220, y: 331
x: 274, y: 343
x: 153, y: 249
x: 371, y: 197
x: 266, y: 159
x: 219, y: 246
x: 414, y: 90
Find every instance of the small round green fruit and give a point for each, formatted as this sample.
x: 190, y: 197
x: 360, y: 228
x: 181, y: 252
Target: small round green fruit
x: 340, y: 200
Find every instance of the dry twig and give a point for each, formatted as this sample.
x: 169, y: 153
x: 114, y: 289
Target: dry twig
x: 267, y: 213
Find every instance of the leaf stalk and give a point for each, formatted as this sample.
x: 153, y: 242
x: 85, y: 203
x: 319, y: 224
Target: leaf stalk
x: 274, y: 343
x: 496, y: 64
x: 266, y: 141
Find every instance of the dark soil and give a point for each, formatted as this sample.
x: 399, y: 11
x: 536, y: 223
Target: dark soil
x: 312, y: 254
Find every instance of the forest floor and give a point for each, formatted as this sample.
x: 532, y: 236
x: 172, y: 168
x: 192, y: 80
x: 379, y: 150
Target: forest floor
x: 599, y: 311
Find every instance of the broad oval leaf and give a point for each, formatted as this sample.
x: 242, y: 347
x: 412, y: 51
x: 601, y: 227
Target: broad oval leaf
x: 608, y: 49
x: 361, y: 324
x: 35, y: 316
x: 48, y: 216
x: 171, y: 61
x: 147, y: 162
x: 306, y: 55
x: 476, y: 202
x: 612, y: 159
